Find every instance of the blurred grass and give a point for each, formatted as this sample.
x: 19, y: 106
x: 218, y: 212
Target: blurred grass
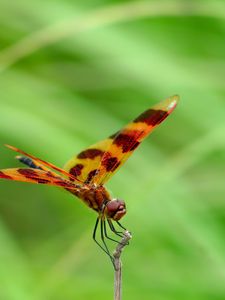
x: 71, y: 74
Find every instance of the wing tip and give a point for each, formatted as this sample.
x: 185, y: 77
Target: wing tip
x: 168, y: 104
x: 9, y: 146
x: 174, y: 100
x: 18, y: 157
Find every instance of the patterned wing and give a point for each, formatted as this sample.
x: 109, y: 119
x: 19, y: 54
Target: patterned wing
x: 84, y: 165
x: 31, y: 163
x: 36, y: 176
x: 98, y: 163
x: 43, y: 164
x: 129, y: 138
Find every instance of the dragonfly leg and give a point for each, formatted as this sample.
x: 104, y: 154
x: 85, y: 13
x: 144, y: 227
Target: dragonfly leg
x: 120, y: 225
x: 106, y: 234
x: 104, y: 243
x: 105, y: 248
x: 113, y: 229
x: 94, y: 236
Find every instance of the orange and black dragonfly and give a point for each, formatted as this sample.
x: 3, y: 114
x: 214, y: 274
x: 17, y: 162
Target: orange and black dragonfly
x: 86, y: 173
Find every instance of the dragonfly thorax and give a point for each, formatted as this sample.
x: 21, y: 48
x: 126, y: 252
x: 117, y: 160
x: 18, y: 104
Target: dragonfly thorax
x: 115, y: 209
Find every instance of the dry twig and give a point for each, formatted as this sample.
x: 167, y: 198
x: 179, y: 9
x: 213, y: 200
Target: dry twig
x: 118, y: 271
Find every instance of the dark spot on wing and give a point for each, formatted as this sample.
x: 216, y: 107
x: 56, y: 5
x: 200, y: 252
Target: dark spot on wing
x: 29, y: 173
x: 76, y: 170
x: 40, y: 180
x: 110, y: 162
x: 62, y: 183
x: 134, y: 146
x: 49, y: 174
x: 91, y: 174
x: 128, y: 142
x: 3, y: 175
x: 152, y: 117
x: 90, y: 153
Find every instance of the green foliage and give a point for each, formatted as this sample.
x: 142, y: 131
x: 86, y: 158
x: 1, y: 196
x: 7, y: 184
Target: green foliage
x: 73, y: 72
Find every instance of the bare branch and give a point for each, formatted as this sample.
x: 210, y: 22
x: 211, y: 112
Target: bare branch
x: 118, y: 271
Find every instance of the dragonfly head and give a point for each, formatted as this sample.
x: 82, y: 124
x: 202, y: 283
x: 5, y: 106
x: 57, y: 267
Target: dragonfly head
x: 115, y: 209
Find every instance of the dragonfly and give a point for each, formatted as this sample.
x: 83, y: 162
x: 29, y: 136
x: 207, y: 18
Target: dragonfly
x: 85, y: 174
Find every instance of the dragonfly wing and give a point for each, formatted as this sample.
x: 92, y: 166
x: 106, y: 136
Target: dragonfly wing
x: 84, y: 165
x: 129, y: 138
x: 31, y: 163
x: 99, y: 162
x: 36, y: 176
x: 43, y: 164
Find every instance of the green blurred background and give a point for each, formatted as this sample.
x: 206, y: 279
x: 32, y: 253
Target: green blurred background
x: 73, y: 72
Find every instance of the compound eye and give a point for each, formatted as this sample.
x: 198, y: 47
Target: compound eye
x: 115, y: 209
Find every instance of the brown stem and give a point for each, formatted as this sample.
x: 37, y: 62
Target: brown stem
x: 118, y: 266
